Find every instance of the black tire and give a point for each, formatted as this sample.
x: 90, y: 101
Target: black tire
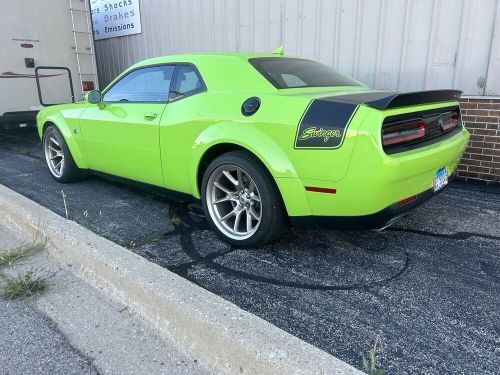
x: 273, y: 222
x: 70, y: 172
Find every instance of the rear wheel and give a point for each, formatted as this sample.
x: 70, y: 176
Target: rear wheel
x: 59, y: 160
x: 241, y: 201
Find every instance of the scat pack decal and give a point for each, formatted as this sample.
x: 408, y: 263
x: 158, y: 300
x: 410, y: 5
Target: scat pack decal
x: 324, y: 124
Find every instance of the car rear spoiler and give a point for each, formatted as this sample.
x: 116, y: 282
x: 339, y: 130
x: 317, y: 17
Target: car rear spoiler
x: 386, y: 99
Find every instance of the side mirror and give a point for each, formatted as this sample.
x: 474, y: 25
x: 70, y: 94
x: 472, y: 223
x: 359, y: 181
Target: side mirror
x: 94, y: 97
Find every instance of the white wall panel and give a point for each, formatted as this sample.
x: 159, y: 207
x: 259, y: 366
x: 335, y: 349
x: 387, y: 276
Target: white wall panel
x: 445, y: 37
x: 310, y: 25
x: 393, y: 34
x: 326, y: 31
x: 347, y: 36
x: 416, y: 45
x: 290, y: 24
x: 368, y: 39
x: 274, y: 23
x: 493, y: 75
x: 388, y: 44
x: 475, y: 45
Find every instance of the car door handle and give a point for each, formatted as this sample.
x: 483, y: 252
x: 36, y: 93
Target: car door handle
x: 150, y: 115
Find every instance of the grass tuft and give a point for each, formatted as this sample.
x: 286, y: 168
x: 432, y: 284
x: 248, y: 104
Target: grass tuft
x: 175, y: 221
x: 25, y: 285
x: 7, y: 257
x: 370, y: 363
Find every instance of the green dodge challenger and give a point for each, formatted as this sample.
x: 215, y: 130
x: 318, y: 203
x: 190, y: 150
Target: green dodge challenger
x: 263, y: 140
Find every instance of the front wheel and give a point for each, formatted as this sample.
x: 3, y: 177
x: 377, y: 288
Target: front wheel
x: 241, y: 201
x: 58, y: 157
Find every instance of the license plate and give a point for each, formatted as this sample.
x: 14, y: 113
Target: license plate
x: 440, y: 179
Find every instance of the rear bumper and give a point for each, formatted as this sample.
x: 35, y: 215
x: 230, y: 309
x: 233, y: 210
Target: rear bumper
x: 377, y: 220
x: 367, y: 197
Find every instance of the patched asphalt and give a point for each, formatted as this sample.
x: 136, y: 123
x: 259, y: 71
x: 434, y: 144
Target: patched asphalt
x: 429, y: 286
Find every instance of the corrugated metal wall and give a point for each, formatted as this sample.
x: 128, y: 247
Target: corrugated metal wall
x: 387, y: 44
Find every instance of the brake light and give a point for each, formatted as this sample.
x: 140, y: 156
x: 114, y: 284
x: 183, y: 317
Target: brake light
x: 88, y: 85
x: 449, y: 121
x: 403, y: 132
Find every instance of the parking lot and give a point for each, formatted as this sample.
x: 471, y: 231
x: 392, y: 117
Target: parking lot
x: 429, y: 286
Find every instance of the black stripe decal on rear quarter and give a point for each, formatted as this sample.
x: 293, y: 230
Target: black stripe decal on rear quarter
x: 324, y: 124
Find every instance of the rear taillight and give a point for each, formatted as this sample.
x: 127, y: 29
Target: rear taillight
x: 87, y: 85
x: 403, y: 132
x: 449, y: 121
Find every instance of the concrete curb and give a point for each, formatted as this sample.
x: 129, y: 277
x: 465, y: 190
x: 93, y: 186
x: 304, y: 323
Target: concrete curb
x: 221, y: 335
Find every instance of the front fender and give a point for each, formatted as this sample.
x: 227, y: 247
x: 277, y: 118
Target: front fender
x: 69, y: 128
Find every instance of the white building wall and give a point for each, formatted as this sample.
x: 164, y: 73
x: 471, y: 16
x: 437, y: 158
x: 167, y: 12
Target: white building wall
x: 388, y: 44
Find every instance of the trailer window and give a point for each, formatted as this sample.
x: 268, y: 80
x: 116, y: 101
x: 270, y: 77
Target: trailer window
x: 149, y: 84
x: 54, y: 85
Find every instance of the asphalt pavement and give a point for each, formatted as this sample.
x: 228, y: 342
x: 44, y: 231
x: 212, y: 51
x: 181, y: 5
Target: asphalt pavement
x: 429, y: 286
x: 31, y: 344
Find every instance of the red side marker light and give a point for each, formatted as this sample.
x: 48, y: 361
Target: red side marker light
x: 321, y: 190
x: 407, y: 200
x: 26, y: 45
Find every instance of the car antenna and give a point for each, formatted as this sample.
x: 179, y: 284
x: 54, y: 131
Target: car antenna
x: 279, y: 51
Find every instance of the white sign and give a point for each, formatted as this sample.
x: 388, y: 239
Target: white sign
x: 111, y: 18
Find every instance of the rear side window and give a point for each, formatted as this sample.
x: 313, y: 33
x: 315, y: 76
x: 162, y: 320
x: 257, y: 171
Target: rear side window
x: 187, y: 82
x: 285, y: 72
x: 142, y: 85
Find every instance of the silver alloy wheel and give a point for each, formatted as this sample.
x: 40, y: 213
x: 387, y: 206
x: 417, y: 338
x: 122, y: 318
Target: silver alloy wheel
x: 54, y: 154
x: 233, y: 201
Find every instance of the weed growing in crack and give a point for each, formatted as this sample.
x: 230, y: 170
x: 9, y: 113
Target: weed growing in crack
x: 7, y: 257
x: 28, y: 283
x: 175, y: 221
x: 24, y: 285
x: 370, y: 362
x: 65, y: 205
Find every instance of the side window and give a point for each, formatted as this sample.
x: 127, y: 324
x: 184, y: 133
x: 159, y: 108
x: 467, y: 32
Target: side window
x: 142, y: 85
x: 186, y: 82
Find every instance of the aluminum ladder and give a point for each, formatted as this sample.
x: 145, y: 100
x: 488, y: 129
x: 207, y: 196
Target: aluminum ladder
x: 87, y: 51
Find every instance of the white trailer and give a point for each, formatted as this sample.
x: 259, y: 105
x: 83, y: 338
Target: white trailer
x: 47, y: 57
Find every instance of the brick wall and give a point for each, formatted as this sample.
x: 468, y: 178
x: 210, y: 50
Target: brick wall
x: 481, y: 160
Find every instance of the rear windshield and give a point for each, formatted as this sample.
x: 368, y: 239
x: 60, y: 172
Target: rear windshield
x: 285, y: 72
